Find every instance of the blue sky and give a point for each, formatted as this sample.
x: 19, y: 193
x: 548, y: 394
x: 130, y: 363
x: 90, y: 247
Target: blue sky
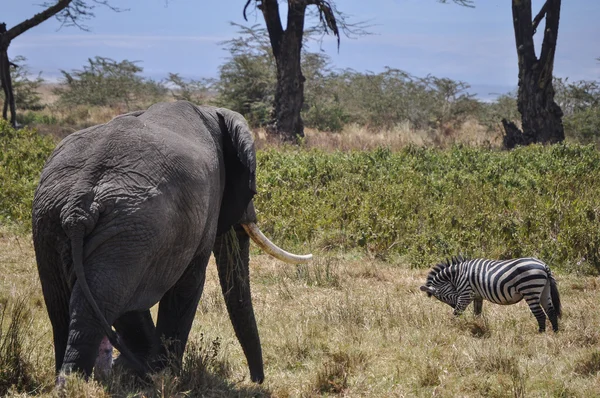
x: 475, y: 45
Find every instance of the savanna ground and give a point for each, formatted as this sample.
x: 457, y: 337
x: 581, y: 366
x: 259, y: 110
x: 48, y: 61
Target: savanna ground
x: 345, y: 325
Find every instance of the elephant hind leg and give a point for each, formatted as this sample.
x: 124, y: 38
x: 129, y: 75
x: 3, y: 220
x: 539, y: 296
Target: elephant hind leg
x: 85, y: 335
x: 176, y: 312
x: 138, y: 332
x: 56, y: 296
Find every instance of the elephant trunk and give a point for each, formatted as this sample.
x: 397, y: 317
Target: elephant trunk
x: 232, y: 254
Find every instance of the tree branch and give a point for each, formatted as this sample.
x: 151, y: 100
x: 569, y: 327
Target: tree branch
x: 37, y: 19
x: 326, y: 17
x: 538, y: 18
x: 270, y: 10
x: 550, y: 35
x: 521, y: 11
x: 465, y: 3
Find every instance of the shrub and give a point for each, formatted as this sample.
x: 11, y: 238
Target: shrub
x: 196, y: 91
x: 105, y: 82
x: 425, y: 204
x: 22, y: 156
x: 25, y: 89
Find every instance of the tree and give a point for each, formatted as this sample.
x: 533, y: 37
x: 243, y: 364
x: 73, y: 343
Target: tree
x: 68, y: 12
x: 106, y: 82
x: 25, y: 88
x: 287, y: 49
x: 540, y: 115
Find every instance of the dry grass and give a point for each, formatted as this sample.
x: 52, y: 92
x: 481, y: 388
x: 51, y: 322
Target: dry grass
x: 351, y: 326
x: 355, y: 137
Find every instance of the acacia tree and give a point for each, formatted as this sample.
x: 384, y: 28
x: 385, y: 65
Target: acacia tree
x: 68, y: 12
x: 286, y: 44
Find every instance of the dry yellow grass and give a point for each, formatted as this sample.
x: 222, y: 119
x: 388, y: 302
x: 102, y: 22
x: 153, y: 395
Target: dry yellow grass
x: 355, y: 137
x: 349, y: 325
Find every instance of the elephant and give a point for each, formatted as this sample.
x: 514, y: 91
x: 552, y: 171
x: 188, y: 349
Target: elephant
x: 127, y: 214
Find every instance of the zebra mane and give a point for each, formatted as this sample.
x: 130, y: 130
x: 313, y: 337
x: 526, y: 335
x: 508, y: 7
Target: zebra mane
x: 440, y: 267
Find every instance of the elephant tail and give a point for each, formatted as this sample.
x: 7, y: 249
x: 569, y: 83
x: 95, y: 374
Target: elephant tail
x: 75, y: 228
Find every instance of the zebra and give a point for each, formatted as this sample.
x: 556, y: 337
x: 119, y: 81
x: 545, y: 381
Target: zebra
x: 459, y: 281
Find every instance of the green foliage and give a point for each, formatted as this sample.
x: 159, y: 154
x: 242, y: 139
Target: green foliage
x: 196, y: 91
x: 580, y: 103
x: 22, y: 156
x: 25, y: 89
x: 504, y: 107
x: 386, y: 99
x: 419, y: 204
x: 425, y: 204
x: 105, y: 82
x: 247, y: 80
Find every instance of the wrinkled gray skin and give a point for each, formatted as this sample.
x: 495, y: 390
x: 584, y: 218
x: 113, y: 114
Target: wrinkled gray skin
x: 136, y: 206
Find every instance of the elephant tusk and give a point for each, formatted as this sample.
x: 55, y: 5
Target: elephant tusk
x: 269, y: 247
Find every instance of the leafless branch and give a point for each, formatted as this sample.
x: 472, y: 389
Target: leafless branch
x: 245, y: 7
x: 81, y: 10
x: 538, y: 18
x: 330, y: 17
x: 465, y: 3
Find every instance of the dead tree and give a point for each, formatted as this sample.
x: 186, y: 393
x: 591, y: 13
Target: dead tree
x: 540, y: 114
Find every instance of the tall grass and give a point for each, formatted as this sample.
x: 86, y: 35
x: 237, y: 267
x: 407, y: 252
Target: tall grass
x: 15, y: 357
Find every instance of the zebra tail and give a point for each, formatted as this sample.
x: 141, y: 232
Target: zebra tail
x: 555, y: 296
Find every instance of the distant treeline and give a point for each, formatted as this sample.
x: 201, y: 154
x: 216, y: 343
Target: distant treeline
x: 334, y: 98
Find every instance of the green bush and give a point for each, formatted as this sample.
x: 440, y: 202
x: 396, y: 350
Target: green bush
x: 22, y: 156
x: 26, y: 90
x: 424, y: 204
x: 105, y: 82
x: 418, y: 204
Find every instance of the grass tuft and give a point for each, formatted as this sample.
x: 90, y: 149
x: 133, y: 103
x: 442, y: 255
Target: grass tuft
x: 332, y: 377
x: 589, y: 365
x: 16, y: 369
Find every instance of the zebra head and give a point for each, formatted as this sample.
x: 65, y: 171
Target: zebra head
x: 443, y: 291
x: 440, y: 282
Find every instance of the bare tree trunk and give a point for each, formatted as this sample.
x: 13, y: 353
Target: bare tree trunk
x: 287, y: 46
x: 541, y: 116
x: 5, y: 79
x: 289, y: 92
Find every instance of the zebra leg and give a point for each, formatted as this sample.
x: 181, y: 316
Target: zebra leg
x: 477, y: 306
x: 533, y: 300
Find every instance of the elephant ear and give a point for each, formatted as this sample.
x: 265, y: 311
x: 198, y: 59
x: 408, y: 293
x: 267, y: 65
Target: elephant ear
x: 240, y: 168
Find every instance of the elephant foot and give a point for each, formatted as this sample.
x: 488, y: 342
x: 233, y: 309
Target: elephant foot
x: 104, y: 362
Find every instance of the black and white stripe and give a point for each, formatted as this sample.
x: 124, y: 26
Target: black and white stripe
x: 457, y: 282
